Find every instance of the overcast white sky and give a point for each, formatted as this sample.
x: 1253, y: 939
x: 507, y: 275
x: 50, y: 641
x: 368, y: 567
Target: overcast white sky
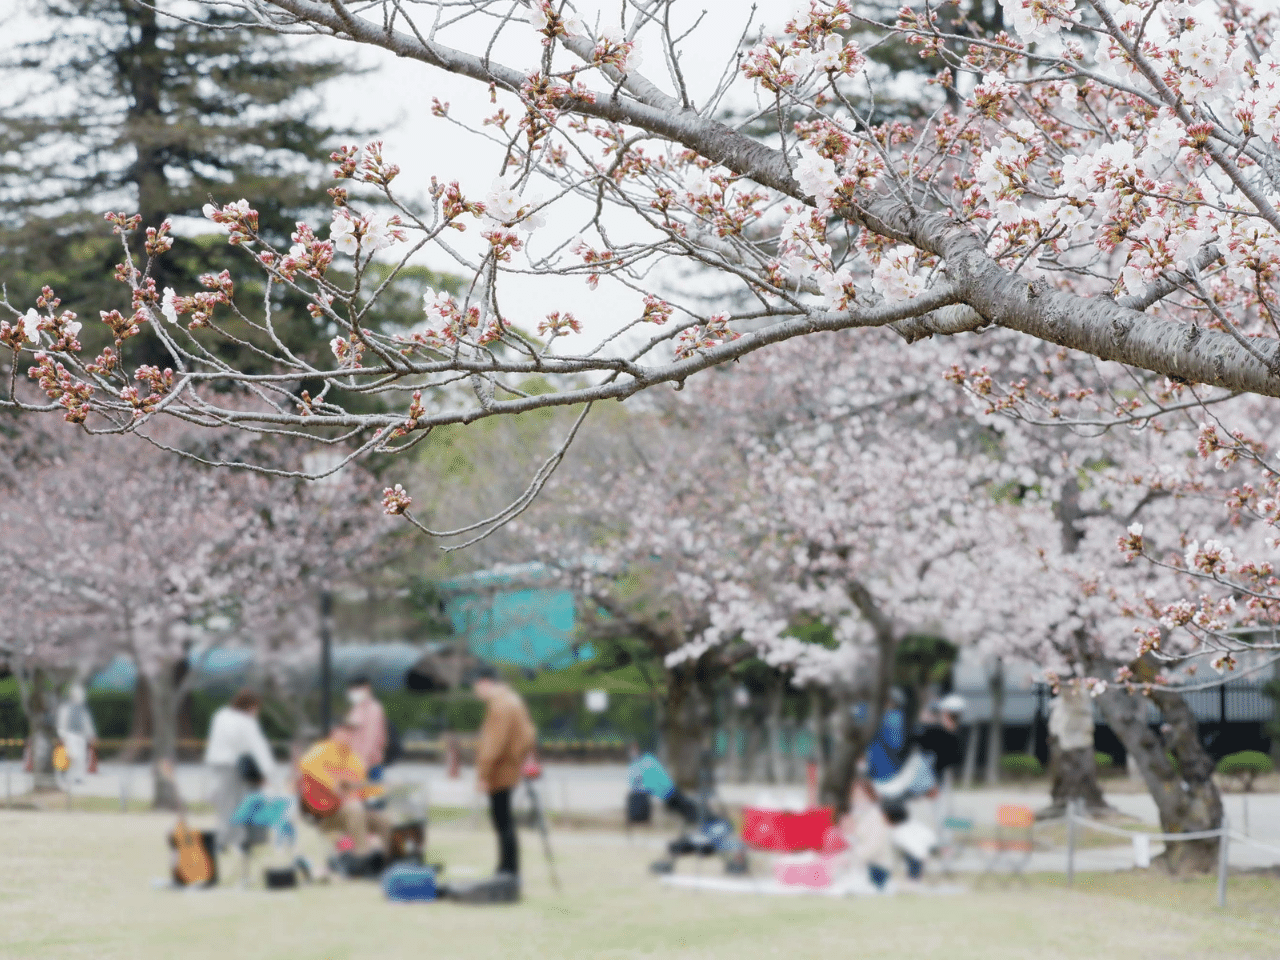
x: 395, y: 99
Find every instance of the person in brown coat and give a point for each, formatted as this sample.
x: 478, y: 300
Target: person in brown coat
x: 507, y: 737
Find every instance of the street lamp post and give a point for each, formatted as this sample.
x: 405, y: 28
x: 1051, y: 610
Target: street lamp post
x: 326, y: 661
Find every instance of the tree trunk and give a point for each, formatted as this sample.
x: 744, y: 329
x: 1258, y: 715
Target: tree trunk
x: 141, y: 66
x: 685, y: 729
x: 41, y: 705
x: 1074, y: 777
x: 851, y: 739
x: 732, y: 731
x: 164, y: 739
x: 789, y: 765
x: 1184, y: 791
x: 847, y: 747
x: 995, y: 732
x: 750, y: 748
x: 139, y: 720
x: 972, y: 732
x: 773, y: 733
x: 1073, y: 767
x: 817, y: 725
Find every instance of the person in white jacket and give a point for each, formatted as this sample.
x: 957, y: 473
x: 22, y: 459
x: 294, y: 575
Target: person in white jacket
x: 239, y: 759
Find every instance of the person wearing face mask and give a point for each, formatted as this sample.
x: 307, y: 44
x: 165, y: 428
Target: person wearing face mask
x: 366, y: 726
x: 77, y: 732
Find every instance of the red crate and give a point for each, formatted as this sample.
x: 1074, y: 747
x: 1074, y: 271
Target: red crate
x: 782, y: 831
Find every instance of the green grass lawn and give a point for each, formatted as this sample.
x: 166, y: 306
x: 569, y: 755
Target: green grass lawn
x: 78, y: 885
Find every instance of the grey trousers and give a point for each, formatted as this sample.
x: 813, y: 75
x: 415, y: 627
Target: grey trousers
x: 229, y: 790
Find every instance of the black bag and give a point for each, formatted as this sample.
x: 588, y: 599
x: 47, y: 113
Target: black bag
x: 639, y: 807
x: 249, y: 770
x: 895, y: 811
x: 500, y: 888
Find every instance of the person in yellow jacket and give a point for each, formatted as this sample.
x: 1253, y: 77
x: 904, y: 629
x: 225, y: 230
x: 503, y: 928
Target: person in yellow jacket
x: 507, y: 737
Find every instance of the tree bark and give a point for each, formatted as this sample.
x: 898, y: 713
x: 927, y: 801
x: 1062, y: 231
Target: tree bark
x: 995, y: 732
x: 773, y: 733
x: 164, y: 738
x: 972, y: 732
x: 851, y: 739
x: 1074, y: 776
x: 848, y: 745
x: 732, y: 732
x: 685, y: 728
x: 789, y: 766
x: 1184, y: 791
x: 40, y: 705
x: 817, y: 729
x: 1073, y: 766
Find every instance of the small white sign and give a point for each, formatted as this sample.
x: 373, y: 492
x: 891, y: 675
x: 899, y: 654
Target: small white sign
x: 597, y: 701
x: 1141, y: 851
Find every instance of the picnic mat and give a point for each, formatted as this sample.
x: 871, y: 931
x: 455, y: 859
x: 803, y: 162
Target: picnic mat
x: 850, y: 886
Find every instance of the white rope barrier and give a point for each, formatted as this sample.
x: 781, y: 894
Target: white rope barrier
x: 1121, y: 832
x: 1241, y: 838
x: 1142, y: 841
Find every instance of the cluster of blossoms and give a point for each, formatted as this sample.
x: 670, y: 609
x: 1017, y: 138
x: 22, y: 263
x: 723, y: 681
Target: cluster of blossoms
x: 308, y: 255
x: 348, y: 353
x: 449, y: 322
x: 69, y: 392
x: 395, y: 501
x: 546, y: 20
x: 811, y: 44
x: 1002, y: 172
x: 351, y: 234
x: 239, y: 219
x: 27, y: 328
x: 613, y: 49
x: 704, y: 336
x: 897, y: 276
x: 504, y: 207
x: 200, y: 306
x: 1039, y: 19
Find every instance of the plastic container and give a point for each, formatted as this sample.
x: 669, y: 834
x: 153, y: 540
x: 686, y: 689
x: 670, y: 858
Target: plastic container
x: 409, y: 883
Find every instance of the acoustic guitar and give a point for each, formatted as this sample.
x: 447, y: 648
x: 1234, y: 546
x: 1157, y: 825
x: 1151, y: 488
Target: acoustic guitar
x: 329, y: 771
x: 192, y: 865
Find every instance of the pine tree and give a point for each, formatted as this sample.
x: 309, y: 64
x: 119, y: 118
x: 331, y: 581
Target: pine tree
x: 121, y: 107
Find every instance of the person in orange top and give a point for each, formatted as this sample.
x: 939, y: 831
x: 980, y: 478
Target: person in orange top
x: 507, y: 737
x: 338, y: 774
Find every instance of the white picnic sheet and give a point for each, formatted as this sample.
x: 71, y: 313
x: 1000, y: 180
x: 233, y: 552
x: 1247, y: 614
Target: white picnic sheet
x: 854, y: 885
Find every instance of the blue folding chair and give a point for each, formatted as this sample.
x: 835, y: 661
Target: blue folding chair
x: 261, y: 816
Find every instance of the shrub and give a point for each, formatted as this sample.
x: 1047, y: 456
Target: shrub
x: 1103, y: 761
x: 1245, y: 766
x: 1020, y: 765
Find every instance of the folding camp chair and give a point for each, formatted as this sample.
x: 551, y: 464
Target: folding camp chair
x: 1011, y: 848
x: 957, y: 835
x: 262, y: 818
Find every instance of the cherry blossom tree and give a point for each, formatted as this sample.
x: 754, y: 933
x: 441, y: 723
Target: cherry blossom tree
x: 128, y: 548
x: 1097, y: 178
x: 783, y: 501
x: 1119, y: 521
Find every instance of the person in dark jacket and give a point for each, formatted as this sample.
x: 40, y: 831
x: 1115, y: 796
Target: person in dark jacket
x: 939, y: 739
